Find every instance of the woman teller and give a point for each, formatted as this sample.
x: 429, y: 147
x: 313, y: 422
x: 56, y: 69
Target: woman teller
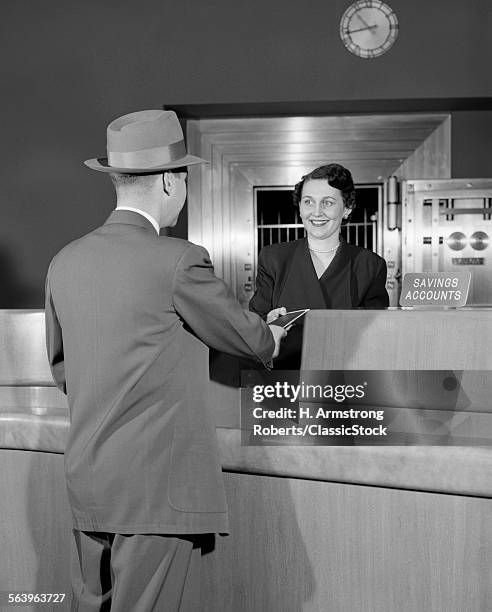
x: 321, y: 270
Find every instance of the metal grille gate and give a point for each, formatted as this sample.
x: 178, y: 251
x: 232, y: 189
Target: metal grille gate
x: 281, y: 222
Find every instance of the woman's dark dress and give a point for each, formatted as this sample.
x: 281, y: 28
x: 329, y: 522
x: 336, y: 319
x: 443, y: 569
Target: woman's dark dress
x: 355, y: 278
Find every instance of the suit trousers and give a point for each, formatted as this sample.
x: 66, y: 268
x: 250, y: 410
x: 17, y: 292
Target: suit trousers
x: 141, y: 573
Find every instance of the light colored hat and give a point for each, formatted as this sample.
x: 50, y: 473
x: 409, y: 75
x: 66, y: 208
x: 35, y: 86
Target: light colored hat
x: 145, y: 141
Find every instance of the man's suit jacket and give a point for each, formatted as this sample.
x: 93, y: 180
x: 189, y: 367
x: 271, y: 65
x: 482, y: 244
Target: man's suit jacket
x: 142, y: 451
x: 286, y: 276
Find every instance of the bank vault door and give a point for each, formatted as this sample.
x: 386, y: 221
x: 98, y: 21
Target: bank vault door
x: 446, y: 226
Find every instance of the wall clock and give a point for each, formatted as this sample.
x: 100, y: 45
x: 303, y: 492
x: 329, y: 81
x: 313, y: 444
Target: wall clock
x: 368, y: 28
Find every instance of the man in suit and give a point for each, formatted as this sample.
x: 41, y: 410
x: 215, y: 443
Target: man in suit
x: 127, y: 316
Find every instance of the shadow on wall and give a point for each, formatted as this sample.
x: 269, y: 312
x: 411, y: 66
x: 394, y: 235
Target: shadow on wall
x: 14, y: 291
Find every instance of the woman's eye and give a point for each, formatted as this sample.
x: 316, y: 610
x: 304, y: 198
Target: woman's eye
x: 328, y: 203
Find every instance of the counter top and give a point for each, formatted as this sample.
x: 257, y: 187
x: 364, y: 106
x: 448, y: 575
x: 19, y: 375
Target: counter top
x: 456, y: 469
x: 34, y: 413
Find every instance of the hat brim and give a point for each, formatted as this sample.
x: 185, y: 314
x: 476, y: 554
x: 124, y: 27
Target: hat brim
x: 101, y: 165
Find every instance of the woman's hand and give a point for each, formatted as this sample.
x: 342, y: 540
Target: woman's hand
x: 275, y: 314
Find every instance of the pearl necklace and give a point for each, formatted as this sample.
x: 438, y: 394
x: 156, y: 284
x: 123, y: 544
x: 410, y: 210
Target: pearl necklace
x: 329, y: 251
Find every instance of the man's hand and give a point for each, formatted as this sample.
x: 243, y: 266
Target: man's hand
x: 275, y: 314
x: 278, y: 333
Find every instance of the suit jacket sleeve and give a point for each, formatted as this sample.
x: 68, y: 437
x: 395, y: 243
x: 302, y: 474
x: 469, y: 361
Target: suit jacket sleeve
x: 212, y: 312
x: 377, y: 296
x: 54, y: 340
x: 262, y: 300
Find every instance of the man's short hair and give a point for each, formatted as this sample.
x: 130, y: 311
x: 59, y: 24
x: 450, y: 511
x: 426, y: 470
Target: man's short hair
x: 126, y: 180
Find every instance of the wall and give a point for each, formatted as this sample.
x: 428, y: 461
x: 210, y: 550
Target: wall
x: 471, y: 144
x: 68, y: 68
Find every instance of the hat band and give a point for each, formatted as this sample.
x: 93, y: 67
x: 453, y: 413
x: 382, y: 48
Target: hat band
x: 147, y: 158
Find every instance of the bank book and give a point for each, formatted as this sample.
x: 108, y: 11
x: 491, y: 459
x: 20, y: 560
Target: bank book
x: 289, y: 318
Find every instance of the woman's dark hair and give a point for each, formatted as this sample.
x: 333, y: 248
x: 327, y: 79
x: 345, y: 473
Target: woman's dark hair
x: 337, y: 176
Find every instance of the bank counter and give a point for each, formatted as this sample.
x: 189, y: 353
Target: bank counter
x: 313, y: 528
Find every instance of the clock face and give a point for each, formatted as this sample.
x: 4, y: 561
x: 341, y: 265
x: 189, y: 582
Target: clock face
x: 368, y: 28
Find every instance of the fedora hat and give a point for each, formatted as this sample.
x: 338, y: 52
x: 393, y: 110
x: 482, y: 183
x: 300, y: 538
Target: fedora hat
x: 145, y: 141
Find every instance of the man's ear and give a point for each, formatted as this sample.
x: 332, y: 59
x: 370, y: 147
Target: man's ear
x: 168, y: 182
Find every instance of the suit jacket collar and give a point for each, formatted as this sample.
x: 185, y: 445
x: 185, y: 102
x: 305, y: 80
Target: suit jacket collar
x: 300, y: 281
x: 336, y: 282
x: 303, y: 289
x: 129, y: 217
x: 340, y: 263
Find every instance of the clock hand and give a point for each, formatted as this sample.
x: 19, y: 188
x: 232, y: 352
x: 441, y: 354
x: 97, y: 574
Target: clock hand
x: 362, y: 29
x: 360, y: 18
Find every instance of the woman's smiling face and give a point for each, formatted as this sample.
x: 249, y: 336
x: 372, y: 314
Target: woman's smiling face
x: 321, y: 208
